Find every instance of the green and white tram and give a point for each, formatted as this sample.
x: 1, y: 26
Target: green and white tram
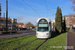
x: 43, y: 28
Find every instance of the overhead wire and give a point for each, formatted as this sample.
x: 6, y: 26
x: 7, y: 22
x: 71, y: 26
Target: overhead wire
x: 39, y: 9
x: 46, y: 7
x: 31, y: 8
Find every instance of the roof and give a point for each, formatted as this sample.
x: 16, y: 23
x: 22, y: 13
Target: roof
x: 2, y: 18
x: 44, y: 18
x: 69, y: 15
x: 20, y: 23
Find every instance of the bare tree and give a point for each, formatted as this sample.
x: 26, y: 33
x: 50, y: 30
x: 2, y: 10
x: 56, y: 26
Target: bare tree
x: 73, y: 5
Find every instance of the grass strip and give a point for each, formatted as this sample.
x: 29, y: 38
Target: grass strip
x: 55, y: 43
x: 33, y: 45
x: 16, y: 44
x: 8, y: 40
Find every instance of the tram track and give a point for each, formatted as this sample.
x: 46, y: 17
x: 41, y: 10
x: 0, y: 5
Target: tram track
x: 26, y: 44
x: 41, y: 44
x: 32, y: 42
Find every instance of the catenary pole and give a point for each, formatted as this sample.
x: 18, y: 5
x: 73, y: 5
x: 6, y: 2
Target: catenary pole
x: 6, y: 15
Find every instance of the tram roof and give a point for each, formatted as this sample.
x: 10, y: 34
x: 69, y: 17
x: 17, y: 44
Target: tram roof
x: 44, y: 18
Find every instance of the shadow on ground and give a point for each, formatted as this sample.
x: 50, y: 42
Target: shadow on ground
x: 54, y: 34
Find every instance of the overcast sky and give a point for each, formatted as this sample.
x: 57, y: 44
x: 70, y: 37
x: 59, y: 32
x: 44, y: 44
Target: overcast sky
x: 30, y: 10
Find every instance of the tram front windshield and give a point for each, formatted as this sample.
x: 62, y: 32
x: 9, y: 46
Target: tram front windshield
x: 42, y: 25
x: 42, y: 29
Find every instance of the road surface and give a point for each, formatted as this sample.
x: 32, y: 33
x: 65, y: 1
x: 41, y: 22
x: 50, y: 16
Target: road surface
x: 21, y: 33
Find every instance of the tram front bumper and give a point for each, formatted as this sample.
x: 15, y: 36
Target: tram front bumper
x: 42, y: 34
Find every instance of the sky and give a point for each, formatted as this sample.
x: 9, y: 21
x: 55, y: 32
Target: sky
x: 30, y: 10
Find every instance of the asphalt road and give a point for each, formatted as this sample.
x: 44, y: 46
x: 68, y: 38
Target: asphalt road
x: 21, y: 33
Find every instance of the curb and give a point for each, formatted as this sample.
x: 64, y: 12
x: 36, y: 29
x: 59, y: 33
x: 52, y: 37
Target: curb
x: 66, y: 43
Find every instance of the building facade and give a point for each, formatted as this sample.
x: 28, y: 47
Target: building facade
x: 70, y: 20
x: 20, y: 25
x: 3, y: 22
x: 10, y: 24
x: 53, y: 25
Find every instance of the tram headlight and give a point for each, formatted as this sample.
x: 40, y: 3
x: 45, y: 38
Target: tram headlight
x: 47, y: 34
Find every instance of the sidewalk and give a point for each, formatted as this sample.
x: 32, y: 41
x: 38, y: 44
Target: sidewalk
x: 71, y: 41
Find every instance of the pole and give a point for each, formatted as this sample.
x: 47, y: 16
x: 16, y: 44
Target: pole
x: 0, y: 9
x: 6, y: 16
x: 4, y: 21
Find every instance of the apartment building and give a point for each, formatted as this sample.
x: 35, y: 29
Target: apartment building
x: 3, y: 22
x: 70, y: 20
x: 11, y: 23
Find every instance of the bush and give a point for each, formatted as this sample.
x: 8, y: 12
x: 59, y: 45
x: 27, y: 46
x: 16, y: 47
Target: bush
x: 67, y: 29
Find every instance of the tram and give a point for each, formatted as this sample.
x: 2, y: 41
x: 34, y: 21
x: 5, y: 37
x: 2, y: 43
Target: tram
x: 43, y: 30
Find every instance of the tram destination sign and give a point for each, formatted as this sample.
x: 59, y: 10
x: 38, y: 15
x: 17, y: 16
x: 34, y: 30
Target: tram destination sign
x: 43, y: 21
x: 43, y: 25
